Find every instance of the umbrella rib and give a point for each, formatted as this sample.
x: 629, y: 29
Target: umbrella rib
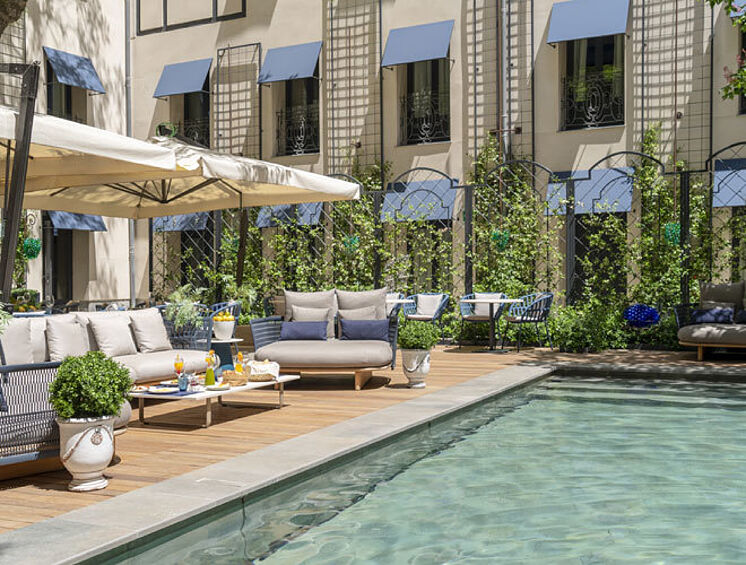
x: 199, y: 186
x: 132, y: 192
x: 142, y: 190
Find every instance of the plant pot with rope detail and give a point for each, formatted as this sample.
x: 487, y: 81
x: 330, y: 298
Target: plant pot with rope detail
x: 86, y: 449
x: 416, y: 339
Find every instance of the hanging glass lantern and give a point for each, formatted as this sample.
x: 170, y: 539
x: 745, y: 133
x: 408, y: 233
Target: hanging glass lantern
x: 31, y: 248
x: 351, y: 243
x: 501, y: 238
x: 672, y: 233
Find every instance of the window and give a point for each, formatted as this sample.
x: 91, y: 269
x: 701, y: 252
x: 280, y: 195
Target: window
x: 154, y: 16
x: 593, y: 87
x: 425, y: 110
x: 298, y: 122
x: 196, y: 123
x: 63, y: 101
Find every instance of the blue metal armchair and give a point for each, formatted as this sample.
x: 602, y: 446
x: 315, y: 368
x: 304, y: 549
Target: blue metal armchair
x: 474, y: 312
x: 192, y: 336
x: 434, y: 315
x: 533, y: 309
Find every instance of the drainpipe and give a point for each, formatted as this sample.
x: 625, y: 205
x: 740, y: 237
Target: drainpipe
x: 128, y: 125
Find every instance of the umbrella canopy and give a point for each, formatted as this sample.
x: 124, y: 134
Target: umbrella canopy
x: 77, y: 168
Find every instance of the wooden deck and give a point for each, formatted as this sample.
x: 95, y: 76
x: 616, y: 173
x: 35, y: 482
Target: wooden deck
x: 149, y: 454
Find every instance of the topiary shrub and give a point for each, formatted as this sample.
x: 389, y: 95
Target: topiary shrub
x: 89, y: 386
x: 418, y: 335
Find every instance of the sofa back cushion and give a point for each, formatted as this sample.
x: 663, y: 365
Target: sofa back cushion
x: 726, y: 293
x: 39, y: 338
x: 16, y: 342
x: 352, y: 300
x: 427, y: 304
x: 113, y: 335
x: 323, y: 299
x: 364, y: 313
x: 150, y: 331
x: 483, y: 308
x: 84, y: 319
x: 308, y: 314
x: 713, y: 316
x: 65, y: 337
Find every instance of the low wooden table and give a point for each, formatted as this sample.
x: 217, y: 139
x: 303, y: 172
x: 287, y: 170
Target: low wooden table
x: 208, y: 395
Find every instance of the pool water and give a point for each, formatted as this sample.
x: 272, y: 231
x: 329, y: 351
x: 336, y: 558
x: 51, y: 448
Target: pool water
x: 571, y: 470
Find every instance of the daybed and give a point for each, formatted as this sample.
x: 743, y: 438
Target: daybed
x: 717, y: 321
x: 333, y: 354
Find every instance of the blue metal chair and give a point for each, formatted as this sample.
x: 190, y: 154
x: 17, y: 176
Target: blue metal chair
x: 193, y: 336
x: 469, y: 312
x: 435, y: 317
x: 533, y: 309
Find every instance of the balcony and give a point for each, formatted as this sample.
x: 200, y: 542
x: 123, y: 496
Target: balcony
x: 298, y: 130
x: 197, y: 131
x: 425, y: 118
x: 594, y: 101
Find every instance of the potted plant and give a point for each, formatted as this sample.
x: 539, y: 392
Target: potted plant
x: 87, y: 395
x: 416, y: 339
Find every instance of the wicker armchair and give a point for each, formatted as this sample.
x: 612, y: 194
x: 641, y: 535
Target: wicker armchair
x: 28, y: 430
x: 533, y: 309
x: 468, y: 312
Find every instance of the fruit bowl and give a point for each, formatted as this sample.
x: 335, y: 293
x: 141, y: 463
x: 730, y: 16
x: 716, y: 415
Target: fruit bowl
x: 223, y: 329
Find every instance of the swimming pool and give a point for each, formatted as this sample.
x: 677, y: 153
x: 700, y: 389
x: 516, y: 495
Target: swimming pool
x: 575, y: 470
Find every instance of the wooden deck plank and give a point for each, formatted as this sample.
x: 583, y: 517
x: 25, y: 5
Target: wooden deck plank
x: 149, y: 454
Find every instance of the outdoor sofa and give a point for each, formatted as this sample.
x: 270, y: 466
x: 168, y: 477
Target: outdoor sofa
x: 332, y: 354
x: 31, y: 350
x: 717, y: 321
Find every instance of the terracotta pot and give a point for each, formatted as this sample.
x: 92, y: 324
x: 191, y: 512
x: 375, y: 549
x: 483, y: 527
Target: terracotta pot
x: 86, y: 449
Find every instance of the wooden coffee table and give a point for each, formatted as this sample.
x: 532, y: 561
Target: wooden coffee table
x: 207, y: 397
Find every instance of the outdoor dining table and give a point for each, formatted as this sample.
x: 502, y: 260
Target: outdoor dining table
x: 399, y: 301
x: 492, y: 301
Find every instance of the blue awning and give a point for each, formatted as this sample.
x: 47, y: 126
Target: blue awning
x: 181, y: 222
x: 306, y: 214
x: 729, y: 183
x: 606, y: 191
x: 71, y: 221
x: 417, y: 43
x: 183, y: 78
x: 288, y: 63
x: 582, y: 19
x: 418, y: 200
x: 739, y: 8
x: 74, y: 70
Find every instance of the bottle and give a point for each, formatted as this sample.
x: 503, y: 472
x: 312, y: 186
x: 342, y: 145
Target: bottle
x: 239, y: 363
x: 210, y: 372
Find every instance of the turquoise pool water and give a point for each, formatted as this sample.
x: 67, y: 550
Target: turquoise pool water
x: 569, y: 471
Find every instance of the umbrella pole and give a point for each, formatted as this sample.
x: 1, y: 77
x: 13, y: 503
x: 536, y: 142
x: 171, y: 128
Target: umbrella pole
x: 243, y: 228
x: 14, y: 198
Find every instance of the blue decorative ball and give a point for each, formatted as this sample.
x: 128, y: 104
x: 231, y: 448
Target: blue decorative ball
x: 641, y: 316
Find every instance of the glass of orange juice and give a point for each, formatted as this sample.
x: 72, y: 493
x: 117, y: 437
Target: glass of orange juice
x: 179, y: 365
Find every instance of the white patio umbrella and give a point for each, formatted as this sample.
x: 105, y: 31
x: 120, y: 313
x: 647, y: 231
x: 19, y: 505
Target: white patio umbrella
x: 78, y: 168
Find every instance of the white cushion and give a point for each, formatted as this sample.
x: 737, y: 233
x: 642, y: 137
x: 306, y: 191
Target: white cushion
x: 113, y: 335
x: 364, y: 313
x: 16, y: 342
x: 84, y: 319
x: 308, y: 314
x: 39, y: 338
x: 391, y: 305
x: 322, y: 299
x: 427, y: 304
x: 352, y: 300
x: 159, y: 365
x: 150, y: 331
x: 483, y: 309
x: 65, y: 337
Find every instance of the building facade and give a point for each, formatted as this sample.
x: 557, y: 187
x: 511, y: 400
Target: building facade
x: 337, y: 85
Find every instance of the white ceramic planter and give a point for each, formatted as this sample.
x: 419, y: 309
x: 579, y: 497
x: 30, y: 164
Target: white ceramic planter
x: 223, y: 330
x: 416, y: 365
x: 86, y: 449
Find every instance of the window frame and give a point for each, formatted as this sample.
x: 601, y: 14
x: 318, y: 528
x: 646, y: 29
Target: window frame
x: 440, y: 83
x: 181, y: 25
x: 312, y: 100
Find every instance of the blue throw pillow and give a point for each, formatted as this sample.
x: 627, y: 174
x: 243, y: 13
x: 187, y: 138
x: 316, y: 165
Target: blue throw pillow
x: 311, y: 331
x: 740, y: 317
x: 365, y: 329
x: 713, y: 316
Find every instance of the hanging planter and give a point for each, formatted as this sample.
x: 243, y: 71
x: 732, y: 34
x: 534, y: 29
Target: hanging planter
x: 351, y: 243
x: 672, y: 233
x: 31, y: 248
x: 501, y: 238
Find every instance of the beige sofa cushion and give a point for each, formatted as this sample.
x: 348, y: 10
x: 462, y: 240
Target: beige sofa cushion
x: 159, y: 365
x: 39, y: 338
x: 353, y: 300
x: 65, y: 337
x: 16, y: 342
x: 714, y: 334
x: 323, y: 299
x: 150, y: 331
x: 305, y: 314
x: 84, y: 319
x: 364, y: 313
x: 729, y: 293
x: 332, y: 353
x: 113, y: 335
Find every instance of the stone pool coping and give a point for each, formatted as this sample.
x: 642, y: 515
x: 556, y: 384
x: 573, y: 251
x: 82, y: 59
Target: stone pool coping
x: 88, y: 532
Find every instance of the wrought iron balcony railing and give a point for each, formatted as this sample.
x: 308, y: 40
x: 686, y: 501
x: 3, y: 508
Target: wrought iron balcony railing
x: 425, y: 118
x: 195, y: 130
x: 298, y: 130
x: 596, y: 100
